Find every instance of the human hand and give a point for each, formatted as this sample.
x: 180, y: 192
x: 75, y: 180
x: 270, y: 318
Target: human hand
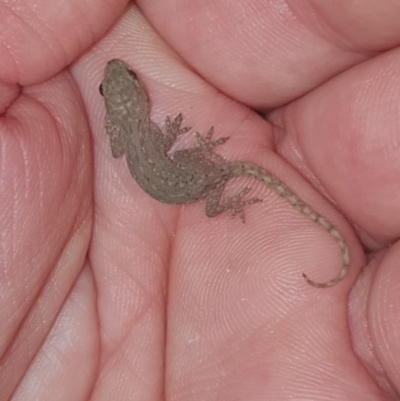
x: 163, y: 300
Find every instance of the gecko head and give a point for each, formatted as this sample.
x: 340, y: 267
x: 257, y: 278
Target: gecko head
x: 116, y: 68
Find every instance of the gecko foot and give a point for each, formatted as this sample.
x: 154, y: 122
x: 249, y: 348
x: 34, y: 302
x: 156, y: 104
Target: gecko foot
x: 206, y: 142
x: 207, y: 145
x: 234, y: 205
x: 173, y: 128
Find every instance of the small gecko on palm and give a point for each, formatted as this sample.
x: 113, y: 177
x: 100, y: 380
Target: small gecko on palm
x: 190, y: 174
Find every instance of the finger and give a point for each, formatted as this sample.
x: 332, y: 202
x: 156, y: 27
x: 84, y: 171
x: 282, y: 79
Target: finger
x: 345, y: 136
x: 268, y: 53
x: 66, y: 366
x: 45, y: 218
x: 382, y: 322
x: 40, y: 40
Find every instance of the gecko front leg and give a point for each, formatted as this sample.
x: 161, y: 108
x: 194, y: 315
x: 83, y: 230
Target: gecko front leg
x: 172, y: 129
x: 118, y: 138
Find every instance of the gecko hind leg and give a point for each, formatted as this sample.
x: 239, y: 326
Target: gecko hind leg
x: 234, y: 204
x: 202, y: 153
x: 206, y: 145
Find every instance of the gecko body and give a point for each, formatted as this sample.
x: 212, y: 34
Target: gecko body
x: 189, y: 174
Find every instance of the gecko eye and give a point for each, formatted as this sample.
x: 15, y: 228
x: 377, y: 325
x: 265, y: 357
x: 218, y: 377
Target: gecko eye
x: 101, y: 90
x: 132, y: 74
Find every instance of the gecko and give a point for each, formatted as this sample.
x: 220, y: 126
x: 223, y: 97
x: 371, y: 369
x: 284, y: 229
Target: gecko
x: 190, y: 174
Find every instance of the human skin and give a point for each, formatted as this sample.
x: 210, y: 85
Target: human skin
x: 109, y: 294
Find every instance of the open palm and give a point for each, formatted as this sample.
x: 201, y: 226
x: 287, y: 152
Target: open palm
x: 108, y: 294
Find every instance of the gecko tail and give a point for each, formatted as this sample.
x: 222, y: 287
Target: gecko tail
x: 271, y: 181
x: 329, y: 283
x: 345, y: 266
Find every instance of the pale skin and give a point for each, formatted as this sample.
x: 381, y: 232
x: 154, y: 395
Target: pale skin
x: 108, y: 294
